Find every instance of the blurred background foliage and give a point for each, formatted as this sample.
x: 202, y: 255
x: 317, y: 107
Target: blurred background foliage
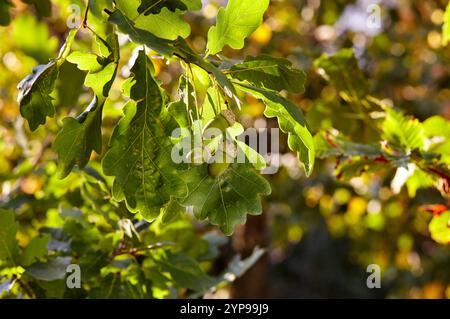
x: 320, y: 232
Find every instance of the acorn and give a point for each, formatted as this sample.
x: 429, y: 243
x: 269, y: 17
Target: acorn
x: 222, y: 160
x: 217, y: 169
x: 222, y: 121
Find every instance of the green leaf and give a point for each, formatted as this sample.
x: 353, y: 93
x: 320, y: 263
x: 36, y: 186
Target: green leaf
x: 36, y: 249
x: 244, y: 151
x: 8, y: 243
x: 34, y: 94
x: 171, y: 211
x: 97, y: 7
x: 327, y: 145
x: 446, y: 26
x: 440, y: 228
x: 265, y: 71
x: 140, y: 153
x: 54, y: 269
x: 185, y: 107
x: 127, y: 26
x: 291, y: 121
x: 69, y: 85
x: 403, y: 130
x: 166, y: 24
x: 419, y: 179
x: 226, y: 199
x: 155, y: 6
x: 79, y: 137
x: 342, y: 70
x: 82, y: 135
x: 35, y: 89
x: 101, y: 71
x: 437, y: 130
x: 240, y: 19
x: 166, y: 47
x: 185, y: 271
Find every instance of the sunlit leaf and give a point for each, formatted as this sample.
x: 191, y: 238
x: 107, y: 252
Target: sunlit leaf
x: 79, y: 137
x: 236, y: 22
x: 291, y: 121
x: 440, y: 228
x: 446, y: 26
x: 140, y: 153
x: 403, y: 130
x: 265, y: 71
x: 225, y: 199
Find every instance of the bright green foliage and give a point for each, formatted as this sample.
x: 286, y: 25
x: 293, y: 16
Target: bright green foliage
x: 234, y: 23
x: 126, y: 222
x: 79, y: 137
x: 165, y: 21
x: 127, y: 26
x: 446, y: 26
x: 403, y: 131
x: 34, y: 94
x: 437, y: 130
x: 440, y: 228
x: 82, y: 135
x: 226, y: 199
x: 166, y: 24
x: 34, y: 90
x: 101, y: 71
x: 35, y: 250
x: 139, y: 157
x: 418, y: 151
x: 329, y: 145
x: 271, y: 73
x: 291, y: 121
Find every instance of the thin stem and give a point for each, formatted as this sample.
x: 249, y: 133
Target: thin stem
x: 84, y: 24
x: 195, y: 91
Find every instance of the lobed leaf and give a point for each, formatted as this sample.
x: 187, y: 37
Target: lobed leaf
x: 35, y: 89
x: 440, y: 228
x: 79, y: 137
x: 226, y: 199
x: 291, y: 121
x: 234, y: 23
x: 265, y: 71
x: 34, y: 94
x: 140, y: 153
x: 402, y: 130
